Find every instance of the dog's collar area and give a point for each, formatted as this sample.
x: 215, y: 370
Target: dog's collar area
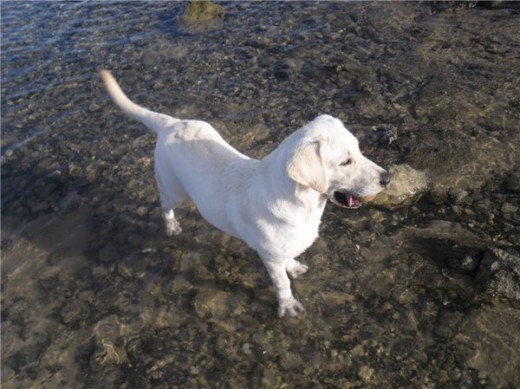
x: 345, y: 200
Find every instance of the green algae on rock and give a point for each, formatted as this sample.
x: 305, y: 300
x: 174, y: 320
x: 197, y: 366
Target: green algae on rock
x: 201, y: 11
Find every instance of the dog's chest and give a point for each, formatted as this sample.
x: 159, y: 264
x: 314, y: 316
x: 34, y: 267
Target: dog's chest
x: 287, y: 240
x: 301, y: 239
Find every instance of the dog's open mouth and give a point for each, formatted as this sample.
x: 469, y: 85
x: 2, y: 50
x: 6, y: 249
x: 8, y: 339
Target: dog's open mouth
x: 346, y: 200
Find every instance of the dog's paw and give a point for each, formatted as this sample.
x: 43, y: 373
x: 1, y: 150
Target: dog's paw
x: 297, y: 269
x: 290, y: 307
x: 173, y: 227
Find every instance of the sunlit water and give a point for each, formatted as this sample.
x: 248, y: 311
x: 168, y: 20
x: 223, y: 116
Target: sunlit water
x: 95, y: 295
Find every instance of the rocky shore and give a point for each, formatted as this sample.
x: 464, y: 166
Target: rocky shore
x: 419, y: 289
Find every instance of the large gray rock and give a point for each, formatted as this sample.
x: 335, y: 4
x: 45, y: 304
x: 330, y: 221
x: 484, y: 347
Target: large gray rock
x: 445, y: 243
x: 499, y: 273
x: 407, y: 186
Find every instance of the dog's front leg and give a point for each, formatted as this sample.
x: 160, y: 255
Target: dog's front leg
x: 287, y: 304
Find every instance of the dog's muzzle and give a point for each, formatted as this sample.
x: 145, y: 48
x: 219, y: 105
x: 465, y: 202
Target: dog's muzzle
x: 346, y: 199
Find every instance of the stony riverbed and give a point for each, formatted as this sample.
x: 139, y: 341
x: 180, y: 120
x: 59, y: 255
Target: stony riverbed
x: 420, y: 294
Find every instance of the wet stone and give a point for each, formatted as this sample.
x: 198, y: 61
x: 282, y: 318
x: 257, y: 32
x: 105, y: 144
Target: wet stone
x: 268, y: 378
x: 93, y: 107
x: 7, y: 373
x: 499, y: 273
x: 108, y: 350
x: 133, y: 267
x: 142, y: 211
x: 108, y: 254
x: 261, y: 340
x: 202, y: 11
x: 25, y: 359
x: 488, y: 335
x: 407, y: 186
x: 151, y: 59
x: 513, y: 182
x: 508, y: 208
x: 107, y: 353
x: 458, y: 196
x: 446, y: 243
x: 367, y: 374
x: 212, y: 303
x: 75, y: 312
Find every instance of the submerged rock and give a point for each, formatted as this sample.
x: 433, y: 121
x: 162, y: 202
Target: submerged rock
x: 445, y: 243
x: 108, y: 349
x: 75, y: 312
x: 493, y: 344
x: 499, y: 273
x: 407, y: 186
x: 201, y: 11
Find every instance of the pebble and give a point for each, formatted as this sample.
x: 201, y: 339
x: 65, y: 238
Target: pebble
x: 108, y: 254
x: 75, y: 311
x: 513, y: 181
x: 142, y: 211
x: 366, y: 373
x: 499, y: 273
x: 509, y: 208
x: 458, y: 196
x: 268, y: 378
x: 133, y: 267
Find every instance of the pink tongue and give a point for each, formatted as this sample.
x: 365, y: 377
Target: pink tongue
x: 351, y: 200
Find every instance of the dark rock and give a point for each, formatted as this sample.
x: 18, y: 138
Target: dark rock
x: 446, y: 243
x: 513, y: 181
x: 287, y: 67
x: 108, y: 254
x: 458, y: 196
x: 499, y: 273
x: 262, y: 341
x: 133, y: 267
x: 437, y: 195
x: 508, y: 208
x: 75, y: 312
x: 25, y: 358
x: 386, y: 136
x: 281, y: 70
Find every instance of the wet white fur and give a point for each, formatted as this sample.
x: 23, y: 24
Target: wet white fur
x: 274, y: 204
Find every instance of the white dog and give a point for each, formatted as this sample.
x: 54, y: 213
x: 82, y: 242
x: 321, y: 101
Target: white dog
x: 273, y: 204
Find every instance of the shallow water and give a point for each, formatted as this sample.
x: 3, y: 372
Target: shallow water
x: 95, y: 295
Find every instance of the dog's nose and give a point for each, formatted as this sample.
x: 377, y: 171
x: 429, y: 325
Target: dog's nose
x: 385, y: 179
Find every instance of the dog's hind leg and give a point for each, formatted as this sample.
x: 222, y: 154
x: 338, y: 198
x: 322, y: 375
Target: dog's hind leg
x: 172, y: 196
x: 168, y: 203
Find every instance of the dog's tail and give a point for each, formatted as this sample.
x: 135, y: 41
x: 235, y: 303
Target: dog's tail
x: 153, y: 120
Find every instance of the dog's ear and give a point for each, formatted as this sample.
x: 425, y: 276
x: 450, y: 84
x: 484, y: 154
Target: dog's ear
x: 306, y: 166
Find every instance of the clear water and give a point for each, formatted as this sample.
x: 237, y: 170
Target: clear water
x: 95, y: 295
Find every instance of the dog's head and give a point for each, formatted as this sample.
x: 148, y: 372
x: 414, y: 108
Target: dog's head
x: 327, y: 159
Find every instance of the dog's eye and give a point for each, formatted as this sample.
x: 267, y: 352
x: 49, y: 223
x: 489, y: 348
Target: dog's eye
x: 346, y: 163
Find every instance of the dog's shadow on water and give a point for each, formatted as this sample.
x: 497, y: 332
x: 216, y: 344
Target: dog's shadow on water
x: 85, y: 257
x: 91, y: 231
